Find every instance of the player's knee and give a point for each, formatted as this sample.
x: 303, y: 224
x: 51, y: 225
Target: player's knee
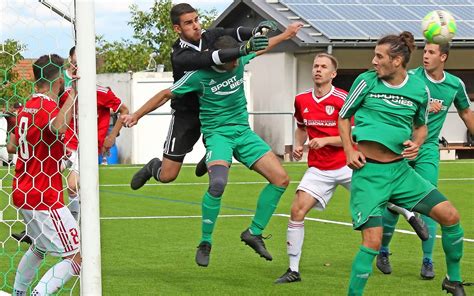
x: 373, y: 243
x: 297, y: 212
x: 217, y: 186
x: 450, y: 217
x: 217, y: 180
x: 283, y: 180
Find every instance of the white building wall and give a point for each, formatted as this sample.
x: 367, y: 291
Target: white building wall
x: 273, y: 89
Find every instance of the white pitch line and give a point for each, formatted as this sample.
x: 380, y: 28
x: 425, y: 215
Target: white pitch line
x: 243, y: 215
x: 249, y: 215
x: 350, y: 224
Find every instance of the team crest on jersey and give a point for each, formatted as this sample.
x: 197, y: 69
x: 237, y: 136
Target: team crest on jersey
x: 330, y: 109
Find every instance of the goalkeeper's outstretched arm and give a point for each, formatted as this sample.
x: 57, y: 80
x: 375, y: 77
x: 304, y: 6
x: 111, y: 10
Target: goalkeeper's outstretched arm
x: 152, y: 104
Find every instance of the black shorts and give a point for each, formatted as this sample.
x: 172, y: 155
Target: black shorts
x: 183, y: 133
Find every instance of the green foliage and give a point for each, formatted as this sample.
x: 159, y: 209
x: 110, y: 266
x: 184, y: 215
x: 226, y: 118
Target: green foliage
x: 12, y: 88
x: 154, y: 29
x: 121, y: 56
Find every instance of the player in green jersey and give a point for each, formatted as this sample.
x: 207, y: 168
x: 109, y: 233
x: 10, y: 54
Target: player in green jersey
x: 390, y: 114
x: 445, y: 89
x: 225, y: 127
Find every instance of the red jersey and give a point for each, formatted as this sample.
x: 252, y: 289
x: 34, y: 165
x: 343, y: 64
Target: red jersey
x: 70, y: 136
x: 38, y: 182
x: 106, y: 100
x: 319, y: 115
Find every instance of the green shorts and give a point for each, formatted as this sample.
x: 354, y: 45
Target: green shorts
x: 426, y: 163
x: 376, y: 183
x: 238, y: 141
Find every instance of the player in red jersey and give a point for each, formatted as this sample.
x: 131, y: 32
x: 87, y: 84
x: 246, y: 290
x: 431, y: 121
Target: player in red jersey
x: 37, y: 185
x: 106, y: 101
x: 316, y: 113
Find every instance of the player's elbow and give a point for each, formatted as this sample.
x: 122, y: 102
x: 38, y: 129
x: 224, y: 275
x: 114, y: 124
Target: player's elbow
x: 123, y: 110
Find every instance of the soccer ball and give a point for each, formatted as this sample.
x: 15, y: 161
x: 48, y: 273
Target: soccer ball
x: 438, y: 27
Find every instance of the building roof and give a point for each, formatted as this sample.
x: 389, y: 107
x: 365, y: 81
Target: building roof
x: 352, y: 22
x: 24, y: 68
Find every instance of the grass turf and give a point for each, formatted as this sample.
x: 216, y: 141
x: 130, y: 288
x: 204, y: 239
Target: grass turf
x: 149, y: 239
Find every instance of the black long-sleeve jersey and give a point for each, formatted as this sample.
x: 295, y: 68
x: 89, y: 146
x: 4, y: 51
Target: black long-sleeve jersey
x: 189, y: 57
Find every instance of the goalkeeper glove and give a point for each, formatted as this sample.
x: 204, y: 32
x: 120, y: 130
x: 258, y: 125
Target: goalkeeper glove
x: 255, y: 43
x: 264, y: 27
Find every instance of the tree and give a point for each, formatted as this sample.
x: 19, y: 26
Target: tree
x: 12, y: 88
x: 121, y: 56
x: 154, y: 29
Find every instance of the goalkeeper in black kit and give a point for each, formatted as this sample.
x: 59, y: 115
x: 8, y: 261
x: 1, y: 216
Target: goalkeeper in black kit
x: 193, y: 51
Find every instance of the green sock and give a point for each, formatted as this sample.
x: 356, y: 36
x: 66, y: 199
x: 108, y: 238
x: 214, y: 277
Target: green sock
x: 266, y: 205
x: 210, y: 210
x: 452, y: 239
x: 361, y: 270
x: 389, y: 222
x: 428, y: 245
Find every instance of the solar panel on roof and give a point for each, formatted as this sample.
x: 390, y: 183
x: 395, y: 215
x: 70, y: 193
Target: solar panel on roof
x: 370, y: 19
x: 464, y: 30
x: 411, y: 26
x: 354, y: 12
x: 421, y: 10
x: 376, y: 29
x: 461, y: 12
x: 314, y: 12
x: 393, y: 12
x: 339, y: 30
x: 379, y: 2
x: 414, y: 2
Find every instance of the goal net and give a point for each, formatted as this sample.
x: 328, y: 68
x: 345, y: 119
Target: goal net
x: 40, y: 237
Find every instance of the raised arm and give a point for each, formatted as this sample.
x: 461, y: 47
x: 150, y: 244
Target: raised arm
x: 289, y: 33
x: 61, y: 121
x: 155, y: 102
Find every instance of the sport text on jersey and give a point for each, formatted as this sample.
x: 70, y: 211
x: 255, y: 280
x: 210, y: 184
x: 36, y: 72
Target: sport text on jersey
x: 393, y: 100
x: 233, y: 83
x: 443, y: 108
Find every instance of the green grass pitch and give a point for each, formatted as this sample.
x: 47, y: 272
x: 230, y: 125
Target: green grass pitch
x: 149, y: 239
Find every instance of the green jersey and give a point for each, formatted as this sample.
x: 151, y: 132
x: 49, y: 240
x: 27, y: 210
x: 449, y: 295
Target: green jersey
x: 445, y: 91
x: 67, y: 79
x: 385, y: 113
x: 221, y: 95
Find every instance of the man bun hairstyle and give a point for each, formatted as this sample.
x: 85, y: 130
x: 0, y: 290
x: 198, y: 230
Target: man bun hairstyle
x: 178, y: 10
x: 400, y: 45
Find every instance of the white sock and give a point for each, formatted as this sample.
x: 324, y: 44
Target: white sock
x: 56, y: 277
x: 74, y: 206
x: 406, y: 213
x: 294, y: 243
x: 26, y: 270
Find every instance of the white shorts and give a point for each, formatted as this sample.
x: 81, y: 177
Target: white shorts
x: 53, y: 231
x: 322, y: 184
x: 71, y: 161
